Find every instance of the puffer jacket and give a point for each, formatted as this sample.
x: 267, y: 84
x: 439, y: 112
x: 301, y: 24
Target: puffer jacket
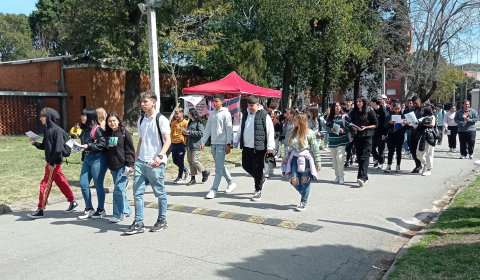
x: 97, y: 146
x: 427, y: 134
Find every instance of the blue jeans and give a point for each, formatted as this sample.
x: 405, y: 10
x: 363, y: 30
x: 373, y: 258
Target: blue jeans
x: 302, y: 187
x: 407, y: 137
x: 121, y: 205
x: 218, y: 153
x: 325, y: 139
x: 155, y: 177
x: 94, y: 167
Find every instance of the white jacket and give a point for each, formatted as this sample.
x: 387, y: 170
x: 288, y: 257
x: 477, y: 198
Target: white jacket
x: 219, y: 128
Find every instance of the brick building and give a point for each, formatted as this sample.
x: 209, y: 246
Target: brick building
x: 58, y: 82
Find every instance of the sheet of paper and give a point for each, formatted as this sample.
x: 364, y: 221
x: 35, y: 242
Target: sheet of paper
x: 337, y: 129
x: 74, y: 145
x: 449, y: 132
x: 397, y: 118
x: 351, y: 124
x: 126, y: 173
x: 411, y: 118
x: 183, y: 129
x: 33, y: 135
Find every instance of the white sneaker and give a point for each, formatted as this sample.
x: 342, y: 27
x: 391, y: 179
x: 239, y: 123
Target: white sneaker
x: 380, y: 166
x: 211, y: 194
x: 360, y: 182
x: 427, y: 173
x: 450, y: 150
x: 424, y: 169
x: 454, y: 150
x: 230, y: 187
x: 115, y: 220
x: 398, y: 168
x: 337, y: 179
x: 463, y: 157
x: 388, y: 169
x: 341, y: 181
x: 470, y: 156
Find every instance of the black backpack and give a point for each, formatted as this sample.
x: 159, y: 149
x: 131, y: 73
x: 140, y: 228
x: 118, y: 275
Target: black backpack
x: 157, y: 119
x: 66, y: 150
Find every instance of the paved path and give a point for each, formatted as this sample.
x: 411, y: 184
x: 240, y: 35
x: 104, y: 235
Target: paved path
x: 361, y: 228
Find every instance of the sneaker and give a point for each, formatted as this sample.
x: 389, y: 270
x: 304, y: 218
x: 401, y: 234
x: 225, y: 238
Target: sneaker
x: 262, y: 183
x: 115, y: 220
x: 398, y: 168
x: 463, y: 157
x: 424, y: 169
x: 192, y: 182
x: 416, y: 170
x: 388, y: 169
x: 211, y: 194
x: 135, y: 228
x: 360, y: 182
x: 205, y: 175
x: 257, y: 196
x: 375, y: 163
x: 454, y: 150
x: 73, y: 205
x: 36, y: 215
x: 231, y: 187
x: 336, y: 179
x: 380, y: 166
x: 100, y: 213
x: 347, y: 164
x: 427, y: 173
x: 186, y: 173
x: 159, y: 225
x: 450, y: 150
x: 301, y: 207
x: 470, y: 156
x: 341, y: 181
x: 326, y: 149
x: 178, y: 180
x: 87, y: 213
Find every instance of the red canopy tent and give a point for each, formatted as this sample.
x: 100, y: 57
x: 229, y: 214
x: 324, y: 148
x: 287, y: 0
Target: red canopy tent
x: 232, y: 85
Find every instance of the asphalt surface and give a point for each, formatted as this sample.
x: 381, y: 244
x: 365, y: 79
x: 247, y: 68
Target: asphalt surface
x: 362, y: 229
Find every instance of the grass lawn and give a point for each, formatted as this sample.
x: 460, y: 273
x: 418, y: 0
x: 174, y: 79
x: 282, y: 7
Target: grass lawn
x: 451, y: 248
x: 22, y: 167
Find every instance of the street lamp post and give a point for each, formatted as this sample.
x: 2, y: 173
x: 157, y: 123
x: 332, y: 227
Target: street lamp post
x: 383, y: 75
x: 149, y: 10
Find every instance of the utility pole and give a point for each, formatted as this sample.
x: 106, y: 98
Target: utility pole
x: 149, y: 10
x: 383, y: 75
x: 453, y: 99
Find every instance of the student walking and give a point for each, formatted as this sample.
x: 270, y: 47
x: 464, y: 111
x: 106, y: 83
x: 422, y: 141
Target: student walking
x: 256, y: 137
x: 219, y: 129
x: 278, y: 129
x: 94, y: 163
x: 440, y: 114
x: 179, y: 142
x: 54, y: 139
x: 395, y: 138
x: 302, y: 159
x: 414, y: 134
x: 408, y: 131
x: 349, y: 148
x: 314, y: 123
x: 121, y: 159
x: 151, y: 158
x: 378, y: 139
x: 451, y: 129
x: 338, y: 120
x: 427, y: 140
x: 467, y: 130
x: 194, y: 135
x: 365, y: 121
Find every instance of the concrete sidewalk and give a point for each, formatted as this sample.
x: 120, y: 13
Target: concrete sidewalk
x: 361, y: 228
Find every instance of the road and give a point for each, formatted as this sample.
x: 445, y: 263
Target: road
x: 360, y: 228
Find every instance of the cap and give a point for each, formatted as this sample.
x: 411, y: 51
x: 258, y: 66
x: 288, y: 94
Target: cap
x: 384, y: 96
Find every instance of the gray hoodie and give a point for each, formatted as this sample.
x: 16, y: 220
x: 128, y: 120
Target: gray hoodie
x: 219, y: 128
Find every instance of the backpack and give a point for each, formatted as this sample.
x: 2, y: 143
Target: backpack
x: 93, y: 132
x: 157, y: 119
x: 66, y: 150
x: 349, y: 134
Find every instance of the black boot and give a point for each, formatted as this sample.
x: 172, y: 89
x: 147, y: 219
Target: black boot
x: 205, y: 175
x: 192, y: 182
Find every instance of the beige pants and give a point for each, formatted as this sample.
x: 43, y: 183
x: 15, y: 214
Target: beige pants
x: 426, y: 157
x: 193, y: 158
x: 338, y: 160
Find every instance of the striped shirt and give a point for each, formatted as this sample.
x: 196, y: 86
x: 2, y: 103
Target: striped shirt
x: 341, y: 139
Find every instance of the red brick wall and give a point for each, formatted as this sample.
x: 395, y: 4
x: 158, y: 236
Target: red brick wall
x: 101, y: 89
x: 33, y: 77
x: 394, y: 84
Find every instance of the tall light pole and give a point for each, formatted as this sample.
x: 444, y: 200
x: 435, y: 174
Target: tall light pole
x: 149, y: 9
x: 383, y: 75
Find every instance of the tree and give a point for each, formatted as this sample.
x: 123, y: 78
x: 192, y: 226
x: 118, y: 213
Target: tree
x: 15, y: 40
x: 249, y: 62
x: 450, y: 78
x: 439, y: 29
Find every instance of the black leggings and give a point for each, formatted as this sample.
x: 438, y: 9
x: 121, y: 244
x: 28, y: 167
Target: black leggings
x: 394, y: 144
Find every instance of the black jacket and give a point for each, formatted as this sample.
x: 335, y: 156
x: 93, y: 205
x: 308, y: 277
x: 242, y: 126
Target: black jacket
x: 418, y: 114
x: 123, y: 154
x: 53, y: 139
x: 94, y: 146
x: 382, y: 117
x: 195, y: 134
x: 426, y: 133
x: 369, y: 119
x: 391, y: 127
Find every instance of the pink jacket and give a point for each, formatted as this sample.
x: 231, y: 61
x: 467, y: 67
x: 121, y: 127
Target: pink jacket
x: 448, y: 120
x: 302, y: 158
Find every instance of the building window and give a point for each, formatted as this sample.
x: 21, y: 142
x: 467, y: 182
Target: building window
x: 168, y: 104
x: 391, y: 76
x: 391, y: 92
x: 83, y: 102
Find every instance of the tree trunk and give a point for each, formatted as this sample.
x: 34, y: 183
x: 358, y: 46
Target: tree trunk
x: 132, y: 107
x: 324, y: 102
x: 356, y: 83
x: 200, y: 4
x: 287, y: 77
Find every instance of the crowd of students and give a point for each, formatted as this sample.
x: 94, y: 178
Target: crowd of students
x: 352, y: 132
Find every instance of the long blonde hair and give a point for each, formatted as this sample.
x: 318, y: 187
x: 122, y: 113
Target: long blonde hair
x: 102, y: 117
x: 301, y: 130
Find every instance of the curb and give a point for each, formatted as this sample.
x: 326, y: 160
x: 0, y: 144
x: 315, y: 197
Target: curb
x: 32, y: 204
x: 414, y: 240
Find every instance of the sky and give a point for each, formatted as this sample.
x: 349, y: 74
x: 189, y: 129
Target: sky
x: 17, y: 6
